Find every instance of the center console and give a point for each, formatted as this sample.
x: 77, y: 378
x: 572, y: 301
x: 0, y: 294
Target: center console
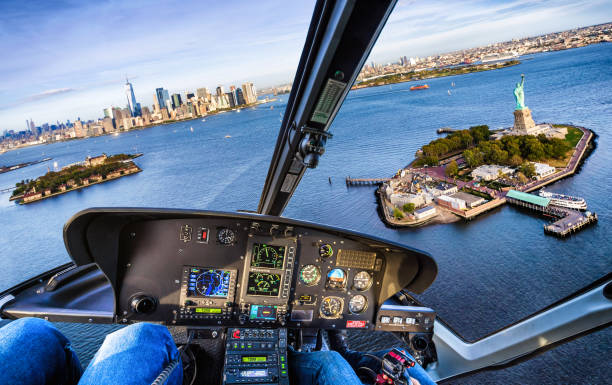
x: 256, y: 356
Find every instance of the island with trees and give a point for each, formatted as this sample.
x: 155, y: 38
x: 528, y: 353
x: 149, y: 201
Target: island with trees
x: 469, y: 172
x: 92, y: 170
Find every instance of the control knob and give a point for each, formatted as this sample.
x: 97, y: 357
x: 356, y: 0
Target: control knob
x: 143, y: 304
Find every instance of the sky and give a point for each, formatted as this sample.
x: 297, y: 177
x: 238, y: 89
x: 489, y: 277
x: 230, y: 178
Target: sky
x: 68, y: 59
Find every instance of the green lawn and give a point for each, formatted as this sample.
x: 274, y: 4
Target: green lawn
x: 573, y: 136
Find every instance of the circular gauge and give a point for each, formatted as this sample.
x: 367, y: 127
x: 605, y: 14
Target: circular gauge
x: 310, y: 275
x: 331, y: 307
x: 326, y: 250
x: 362, y: 281
x: 358, y: 303
x: 336, y: 279
x: 226, y: 236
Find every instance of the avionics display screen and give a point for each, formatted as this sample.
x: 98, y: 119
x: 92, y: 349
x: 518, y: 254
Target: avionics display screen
x: 261, y: 312
x: 254, y: 373
x: 254, y: 358
x: 265, y: 284
x: 208, y: 310
x: 208, y: 283
x: 271, y: 257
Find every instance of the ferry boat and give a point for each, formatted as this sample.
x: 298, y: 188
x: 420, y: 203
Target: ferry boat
x: 498, y: 57
x: 567, y: 201
x: 419, y: 87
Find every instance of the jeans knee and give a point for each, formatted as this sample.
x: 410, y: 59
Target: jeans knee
x: 34, y: 327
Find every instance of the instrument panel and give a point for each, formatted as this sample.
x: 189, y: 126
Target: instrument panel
x: 243, y: 270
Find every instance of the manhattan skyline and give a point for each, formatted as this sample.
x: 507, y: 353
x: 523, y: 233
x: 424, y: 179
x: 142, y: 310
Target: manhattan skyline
x: 79, y: 54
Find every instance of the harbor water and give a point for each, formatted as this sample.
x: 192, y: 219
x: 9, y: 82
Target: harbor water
x: 493, y: 270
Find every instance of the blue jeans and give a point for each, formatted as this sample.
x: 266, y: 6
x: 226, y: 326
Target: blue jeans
x: 33, y: 352
x: 320, y: 368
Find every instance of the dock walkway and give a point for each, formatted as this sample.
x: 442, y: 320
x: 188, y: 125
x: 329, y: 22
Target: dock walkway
x: 365, y: 181
x: 568, y: 220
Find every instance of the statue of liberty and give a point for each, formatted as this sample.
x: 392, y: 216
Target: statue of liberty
x: 519, y: 94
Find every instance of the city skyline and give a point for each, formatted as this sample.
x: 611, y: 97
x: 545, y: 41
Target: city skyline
x: 54, y: 77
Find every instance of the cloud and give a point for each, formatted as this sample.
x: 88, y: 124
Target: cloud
x: 46, y: 94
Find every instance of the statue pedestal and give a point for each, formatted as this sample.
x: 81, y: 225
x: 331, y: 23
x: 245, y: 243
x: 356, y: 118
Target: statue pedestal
x: 523, y: 122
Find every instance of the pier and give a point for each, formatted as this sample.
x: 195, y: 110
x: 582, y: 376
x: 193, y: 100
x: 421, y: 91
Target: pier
x: 365, y: 181
x: 568, y: 221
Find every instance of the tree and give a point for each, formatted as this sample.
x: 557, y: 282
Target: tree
x: 408, y: 207
x: 515, y: 160
x: 528, y: 169
x: 397, y: 213
x: 451, y: 169
x: 521, y: 177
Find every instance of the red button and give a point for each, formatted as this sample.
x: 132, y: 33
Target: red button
x: 236, y: 333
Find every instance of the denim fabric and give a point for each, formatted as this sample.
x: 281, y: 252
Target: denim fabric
x: 34, y: 352
x: 320, y: 368
x: 134, y: 355
x: 357, y: 360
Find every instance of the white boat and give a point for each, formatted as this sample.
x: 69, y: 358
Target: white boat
x: 498, y: 57
x: 203, y: 120
x: 228, y: 136
x: 191, y: 129
x: 567, y: 201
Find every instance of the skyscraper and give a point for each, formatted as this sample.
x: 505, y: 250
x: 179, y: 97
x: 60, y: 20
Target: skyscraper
x: 250, y: 94
x: 202, y: 93
x: 240, y: 97
x: 176, y: 101
x: 220, y: 91
x: 131, y: 99
x: 162, y: 96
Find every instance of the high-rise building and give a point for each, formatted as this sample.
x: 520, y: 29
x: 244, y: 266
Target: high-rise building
x: 220, y: 91
x: 239, y: 97
x: 176, y: 101
x: 202, y: 93
x: 231, y: 97
x: 107, y: 124
x: 189, y: 95
x: 162, y: 96
x: 131, y: 99
x: 250, y: 94
x: 108, y: 112
x: 156, y: 105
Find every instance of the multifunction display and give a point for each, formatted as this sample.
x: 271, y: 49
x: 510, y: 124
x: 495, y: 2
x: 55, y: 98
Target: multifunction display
x: 264, y: 284
x: 267, y: 256
x: 210, y: 283
x: 261, y: 312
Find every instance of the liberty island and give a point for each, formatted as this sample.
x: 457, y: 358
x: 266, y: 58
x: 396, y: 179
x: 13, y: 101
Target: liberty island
x: 474, y: 171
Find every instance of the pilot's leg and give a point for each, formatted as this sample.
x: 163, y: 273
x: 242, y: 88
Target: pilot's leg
x: 137, y: 354
x: 320, y: 368
x: 33, y: 351
x: 357, y: 359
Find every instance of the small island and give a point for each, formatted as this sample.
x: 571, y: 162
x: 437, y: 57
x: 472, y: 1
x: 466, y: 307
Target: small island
x: 92, y: 170
x: 472, y: 171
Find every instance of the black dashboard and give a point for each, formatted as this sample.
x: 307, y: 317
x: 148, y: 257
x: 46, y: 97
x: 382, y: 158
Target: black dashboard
x: 197, y: 268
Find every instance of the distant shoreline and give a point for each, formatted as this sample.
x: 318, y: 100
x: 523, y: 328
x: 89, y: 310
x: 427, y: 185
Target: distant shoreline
x: 144, y: 127
x: 434, y: 74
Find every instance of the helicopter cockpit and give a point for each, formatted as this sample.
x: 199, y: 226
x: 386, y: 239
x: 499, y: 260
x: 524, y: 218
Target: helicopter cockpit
x: 248, y: 286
